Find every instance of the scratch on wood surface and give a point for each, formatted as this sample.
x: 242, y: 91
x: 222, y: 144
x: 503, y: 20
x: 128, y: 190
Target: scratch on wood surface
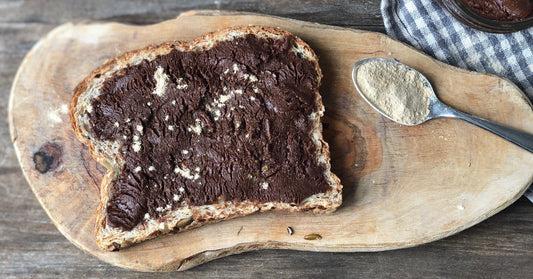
x: 239, y: 230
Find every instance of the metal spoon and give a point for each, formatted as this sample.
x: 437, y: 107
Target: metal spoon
x: 439, y: 109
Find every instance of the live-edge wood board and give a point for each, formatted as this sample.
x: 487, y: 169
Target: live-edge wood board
x: 403, y: 186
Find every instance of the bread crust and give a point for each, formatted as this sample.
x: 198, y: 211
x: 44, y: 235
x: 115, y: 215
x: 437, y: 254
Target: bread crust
x: 187, y: 217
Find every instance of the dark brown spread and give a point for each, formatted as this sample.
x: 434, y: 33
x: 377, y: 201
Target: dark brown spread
x: 232, y: 125
x: 502, y: 10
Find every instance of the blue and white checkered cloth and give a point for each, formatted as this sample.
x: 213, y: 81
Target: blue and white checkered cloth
x: 426, y: 25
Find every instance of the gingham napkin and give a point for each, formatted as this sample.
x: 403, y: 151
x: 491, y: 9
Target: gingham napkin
x: 427, y: 26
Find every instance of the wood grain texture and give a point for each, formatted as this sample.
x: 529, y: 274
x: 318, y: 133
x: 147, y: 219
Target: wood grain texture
x: 397, y: 194
x: 31, y: 246
x: 354, y: 14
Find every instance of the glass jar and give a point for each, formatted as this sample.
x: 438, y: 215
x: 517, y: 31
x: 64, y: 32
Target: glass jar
x: 463, y: 13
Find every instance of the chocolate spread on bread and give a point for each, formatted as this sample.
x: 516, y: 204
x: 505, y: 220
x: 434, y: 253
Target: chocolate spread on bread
x: 211, y: 125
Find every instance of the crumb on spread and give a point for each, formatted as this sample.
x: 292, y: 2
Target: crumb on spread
x: 250, y: 77
x: 171, y: 127
x: 220, y: 102
x: 136, y: 146
x: 224, y: 98
x: 186, y: 173
x: 181, y: 85
x: 151, y: 168
x: 181, y: 189
x: 185, y: 151
x: 116, y: 124
x: 138, y: 169
x: 176, y: 197
x: 197, y: 128
x: 217, y: 115
x: 161, y: 80
x: 235, y: 68
x: 264, y: 185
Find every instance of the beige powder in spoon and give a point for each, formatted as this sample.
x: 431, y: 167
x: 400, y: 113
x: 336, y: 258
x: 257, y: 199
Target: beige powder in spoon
x: 397, y: 91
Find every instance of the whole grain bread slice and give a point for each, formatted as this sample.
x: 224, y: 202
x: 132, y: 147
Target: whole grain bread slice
x: 184, y: 215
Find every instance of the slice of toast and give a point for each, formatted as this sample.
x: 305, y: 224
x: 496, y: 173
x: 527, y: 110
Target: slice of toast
x: 197, y: 132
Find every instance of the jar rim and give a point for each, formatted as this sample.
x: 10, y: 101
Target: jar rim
x: 465, y: 15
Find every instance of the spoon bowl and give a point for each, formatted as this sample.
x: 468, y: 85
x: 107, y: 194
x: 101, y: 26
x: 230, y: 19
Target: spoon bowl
x: 434, y: 102
x: 439, y: 109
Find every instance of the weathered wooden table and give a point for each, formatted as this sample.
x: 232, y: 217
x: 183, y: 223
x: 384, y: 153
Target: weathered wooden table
x: 31, y: 246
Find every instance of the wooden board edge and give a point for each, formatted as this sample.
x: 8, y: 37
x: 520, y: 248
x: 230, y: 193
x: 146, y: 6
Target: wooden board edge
x: 315, y: 25
x: 209, y: 255
x: 206, y: 256
x: 14, y: 135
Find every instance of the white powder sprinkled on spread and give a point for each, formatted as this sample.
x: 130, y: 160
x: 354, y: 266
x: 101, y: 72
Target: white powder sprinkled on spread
x: 396, y: 90
x: 161, y: 82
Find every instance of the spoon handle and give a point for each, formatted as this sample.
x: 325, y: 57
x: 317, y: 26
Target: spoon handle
x: 519, y: 138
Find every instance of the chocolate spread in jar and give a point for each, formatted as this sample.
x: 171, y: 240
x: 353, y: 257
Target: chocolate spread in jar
x: 229, y: 123
x: 502, y: 10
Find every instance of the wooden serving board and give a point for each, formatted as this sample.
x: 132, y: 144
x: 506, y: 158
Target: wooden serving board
x: 403, y: 186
